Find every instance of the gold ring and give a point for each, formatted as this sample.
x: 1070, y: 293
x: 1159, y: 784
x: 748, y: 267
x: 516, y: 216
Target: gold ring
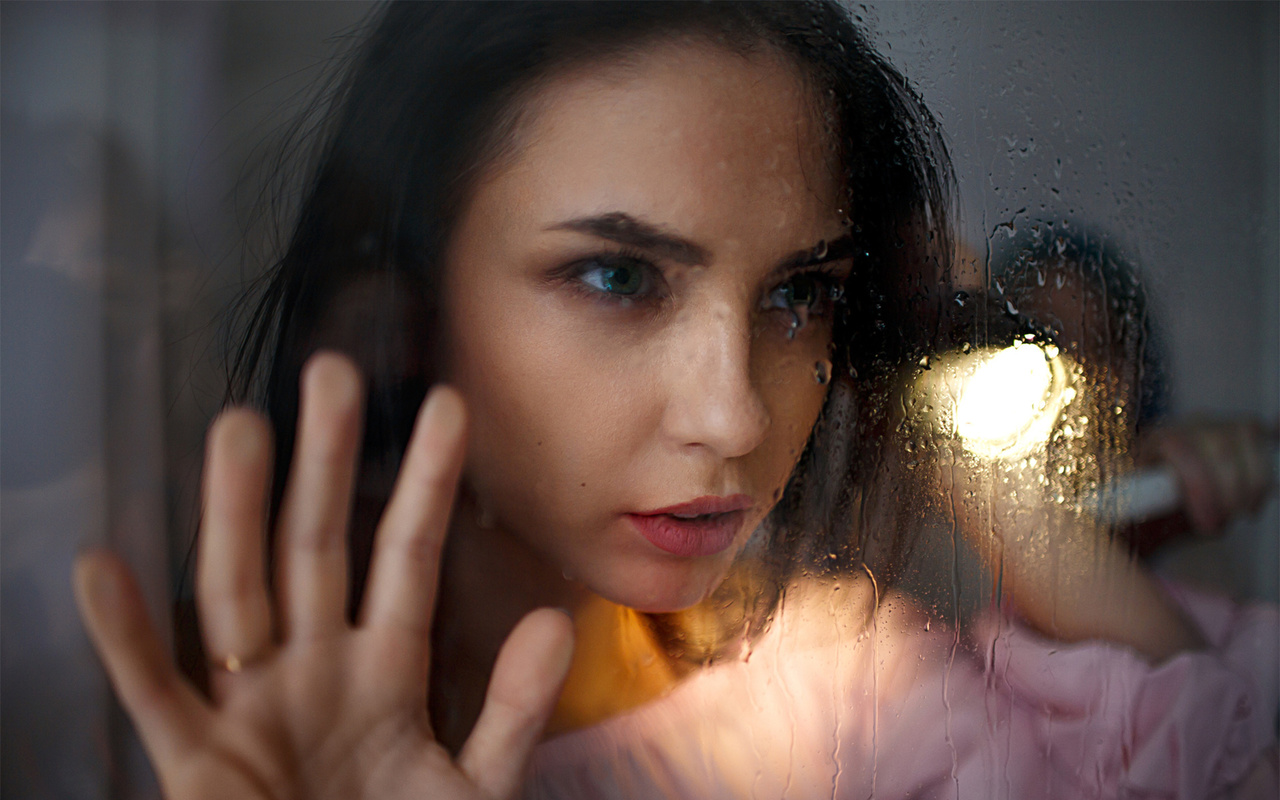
x: 234, y: 663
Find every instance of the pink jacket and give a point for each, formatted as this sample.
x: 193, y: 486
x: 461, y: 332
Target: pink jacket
x: 828, y: 705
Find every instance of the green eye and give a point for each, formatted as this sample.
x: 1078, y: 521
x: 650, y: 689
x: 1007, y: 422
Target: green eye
x: 625, y: 278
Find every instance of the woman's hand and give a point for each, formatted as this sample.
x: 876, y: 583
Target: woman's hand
x: 304, y: 704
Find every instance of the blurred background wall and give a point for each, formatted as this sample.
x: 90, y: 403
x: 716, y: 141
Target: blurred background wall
x: 135, y: 135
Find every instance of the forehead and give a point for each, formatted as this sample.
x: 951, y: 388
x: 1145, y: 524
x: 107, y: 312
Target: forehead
x: 683, y: 132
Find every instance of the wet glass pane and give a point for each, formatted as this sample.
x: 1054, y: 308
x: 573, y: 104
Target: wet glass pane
x: 888, y: 393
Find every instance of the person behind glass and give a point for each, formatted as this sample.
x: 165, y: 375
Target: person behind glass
x: 1076, y: 281
x: 641, y: 252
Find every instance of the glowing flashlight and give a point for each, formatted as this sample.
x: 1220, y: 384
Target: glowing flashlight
x: 1004, y: 403
x: 1001, y: 403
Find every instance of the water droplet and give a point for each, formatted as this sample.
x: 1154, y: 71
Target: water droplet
x: 961, y: 298
x: 822, y: 372
x: 795, y: 324
x: 821, y: 250
x: 924, y: 362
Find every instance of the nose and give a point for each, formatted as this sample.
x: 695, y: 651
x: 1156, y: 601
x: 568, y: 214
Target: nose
x: 714, y: 402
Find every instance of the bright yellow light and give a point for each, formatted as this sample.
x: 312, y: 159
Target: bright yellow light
x: 1002, y: 403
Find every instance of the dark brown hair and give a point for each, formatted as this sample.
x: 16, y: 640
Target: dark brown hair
x: 425, y: 101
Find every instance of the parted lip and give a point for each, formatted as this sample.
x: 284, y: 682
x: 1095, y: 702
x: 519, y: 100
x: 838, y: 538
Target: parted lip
x: 707, y: 504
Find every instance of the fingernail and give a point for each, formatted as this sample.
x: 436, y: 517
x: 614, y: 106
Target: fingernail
x: 333, y: 375
x: 98, y: 586
x: 242, y: 436
x: 444, y: 409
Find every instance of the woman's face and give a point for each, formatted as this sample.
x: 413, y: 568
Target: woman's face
x: 639, y: 314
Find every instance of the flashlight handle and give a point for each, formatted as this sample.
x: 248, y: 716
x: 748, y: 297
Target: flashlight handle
x: 1137, y: 496
x: 1143, y: 495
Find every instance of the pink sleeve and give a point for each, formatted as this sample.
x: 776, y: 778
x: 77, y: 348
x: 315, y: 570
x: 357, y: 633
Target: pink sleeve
x: 1100, y: 717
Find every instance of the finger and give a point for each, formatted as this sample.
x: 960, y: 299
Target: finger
x: 1195, y: 474
x: 1221, y: 454
x: 406, y: 559
x: 167, y: 712
x: 231, y: 590
x: 1257, y: 456
x: 311, y: 550
x: 526, y: 682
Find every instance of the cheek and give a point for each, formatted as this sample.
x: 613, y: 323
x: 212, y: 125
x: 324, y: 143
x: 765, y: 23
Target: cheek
x: 792, y: 377
x: 550, y: 416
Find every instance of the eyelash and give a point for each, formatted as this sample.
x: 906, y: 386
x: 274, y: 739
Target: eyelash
x: 652, y: 288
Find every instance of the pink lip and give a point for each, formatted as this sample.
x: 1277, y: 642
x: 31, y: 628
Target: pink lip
x: 708, y: 504
x: 712, y: 530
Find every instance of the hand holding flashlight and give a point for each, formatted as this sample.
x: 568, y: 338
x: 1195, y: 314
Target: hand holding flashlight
x: 1005, y: 403
x: 1025, y: 432
x: 1213, y: 469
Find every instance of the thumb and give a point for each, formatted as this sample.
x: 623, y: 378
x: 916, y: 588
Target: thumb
x: 527, y: 678
x: 167, y: 711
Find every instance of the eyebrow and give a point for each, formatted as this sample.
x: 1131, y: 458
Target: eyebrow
x: 625, y: 229
x: 822, y: 253
x: 620, y: 227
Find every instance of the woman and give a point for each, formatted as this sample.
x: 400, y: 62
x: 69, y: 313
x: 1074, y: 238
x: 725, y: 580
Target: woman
x: 655, y: 251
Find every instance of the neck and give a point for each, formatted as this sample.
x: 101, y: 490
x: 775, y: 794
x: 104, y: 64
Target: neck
x: 489, y: 580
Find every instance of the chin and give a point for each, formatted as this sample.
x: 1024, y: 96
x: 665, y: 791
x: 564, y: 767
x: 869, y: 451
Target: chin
x: 664, y: 587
